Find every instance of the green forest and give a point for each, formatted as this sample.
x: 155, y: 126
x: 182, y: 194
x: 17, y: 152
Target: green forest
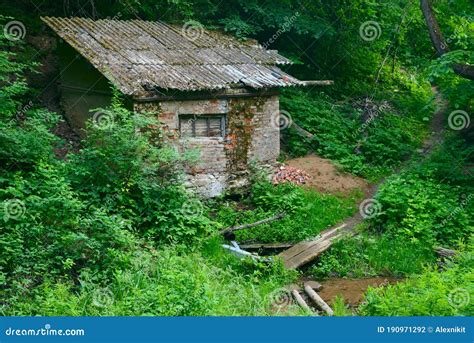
x: 99, y: 222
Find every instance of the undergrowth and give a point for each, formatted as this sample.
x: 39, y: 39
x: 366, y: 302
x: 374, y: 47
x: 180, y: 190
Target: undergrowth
x: 367, y: 136
x: 441, y: 292
x: 307, y: 212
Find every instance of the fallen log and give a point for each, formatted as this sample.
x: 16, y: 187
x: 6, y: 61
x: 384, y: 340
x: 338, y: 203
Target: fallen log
x: 300, y: 301
x: 314, y: 285
x: 318, y: 300
x: 444, y: 252
x: 248, y: 226
x: 295, y: 292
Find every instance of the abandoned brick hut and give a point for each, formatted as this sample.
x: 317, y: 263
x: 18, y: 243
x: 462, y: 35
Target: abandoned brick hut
x: 213, y: 92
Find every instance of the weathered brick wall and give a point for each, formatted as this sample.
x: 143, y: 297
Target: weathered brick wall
x: 252, y: 136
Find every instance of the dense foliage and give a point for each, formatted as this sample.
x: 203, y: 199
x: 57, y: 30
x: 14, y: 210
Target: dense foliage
x: 441, y: 292
x: 108, y: 230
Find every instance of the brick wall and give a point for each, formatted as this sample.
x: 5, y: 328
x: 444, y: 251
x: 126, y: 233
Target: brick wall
x: 222, y: 163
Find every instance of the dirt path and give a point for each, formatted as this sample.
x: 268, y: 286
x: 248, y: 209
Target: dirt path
x: 307, y: 251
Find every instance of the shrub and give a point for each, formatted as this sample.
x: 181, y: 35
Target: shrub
x: 125, y: 168
x: 48, y: 232
x: 372, y: 255
x: 368, y: 148
x: 433, y: 293
x: 423, y: 210
x: 167, y: 282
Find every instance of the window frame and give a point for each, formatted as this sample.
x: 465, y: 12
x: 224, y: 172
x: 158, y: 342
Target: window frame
x: 207, y: 117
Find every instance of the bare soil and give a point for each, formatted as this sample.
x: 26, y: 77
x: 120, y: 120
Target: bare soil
x: 325, y: 177
x: 352, y: 291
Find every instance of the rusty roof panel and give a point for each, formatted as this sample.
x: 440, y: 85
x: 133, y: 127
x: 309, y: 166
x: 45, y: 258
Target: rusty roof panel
x: 139, y: 55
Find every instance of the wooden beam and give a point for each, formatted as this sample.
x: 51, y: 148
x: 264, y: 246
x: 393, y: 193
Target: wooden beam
x: 318, y: 300
x: 300, y: 301
x: 247, y: 226
x: 256, y: 246
x: 302, y: 132
x: 318, y: 82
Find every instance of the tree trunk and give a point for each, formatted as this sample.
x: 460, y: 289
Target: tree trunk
x: 439, y: 43
x: 464, y: 70
x: 436, y: 36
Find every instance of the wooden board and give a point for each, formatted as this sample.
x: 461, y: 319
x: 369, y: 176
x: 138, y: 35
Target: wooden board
x: 305, y: 252
x: 255, y: 246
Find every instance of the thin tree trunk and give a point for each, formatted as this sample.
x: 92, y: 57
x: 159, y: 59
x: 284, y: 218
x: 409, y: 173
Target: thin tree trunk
x: 436, y: 36
x: 439, y: 43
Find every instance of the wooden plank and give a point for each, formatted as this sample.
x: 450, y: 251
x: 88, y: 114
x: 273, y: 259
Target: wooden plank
x: 302, y: 246
x: 318, y: 82
x: 255, y: 246
x: 305, y: 252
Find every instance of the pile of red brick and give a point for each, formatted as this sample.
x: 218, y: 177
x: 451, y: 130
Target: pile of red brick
x: 290, y: 174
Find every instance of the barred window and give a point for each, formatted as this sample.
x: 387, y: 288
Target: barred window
x: 202, y: 125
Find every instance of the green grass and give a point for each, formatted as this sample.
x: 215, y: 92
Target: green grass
x: 170, y: 282
x: 307, y: 213
x: 372, y: 255
x: 434, y: 292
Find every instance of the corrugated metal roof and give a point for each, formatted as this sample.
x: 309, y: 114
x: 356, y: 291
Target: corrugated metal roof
x: 138, y: 55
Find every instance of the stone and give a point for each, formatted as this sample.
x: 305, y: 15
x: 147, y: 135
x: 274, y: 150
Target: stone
x: 314, y: 285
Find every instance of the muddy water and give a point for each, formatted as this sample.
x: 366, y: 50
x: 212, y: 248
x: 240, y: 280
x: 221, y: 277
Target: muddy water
x: 351, y: 290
